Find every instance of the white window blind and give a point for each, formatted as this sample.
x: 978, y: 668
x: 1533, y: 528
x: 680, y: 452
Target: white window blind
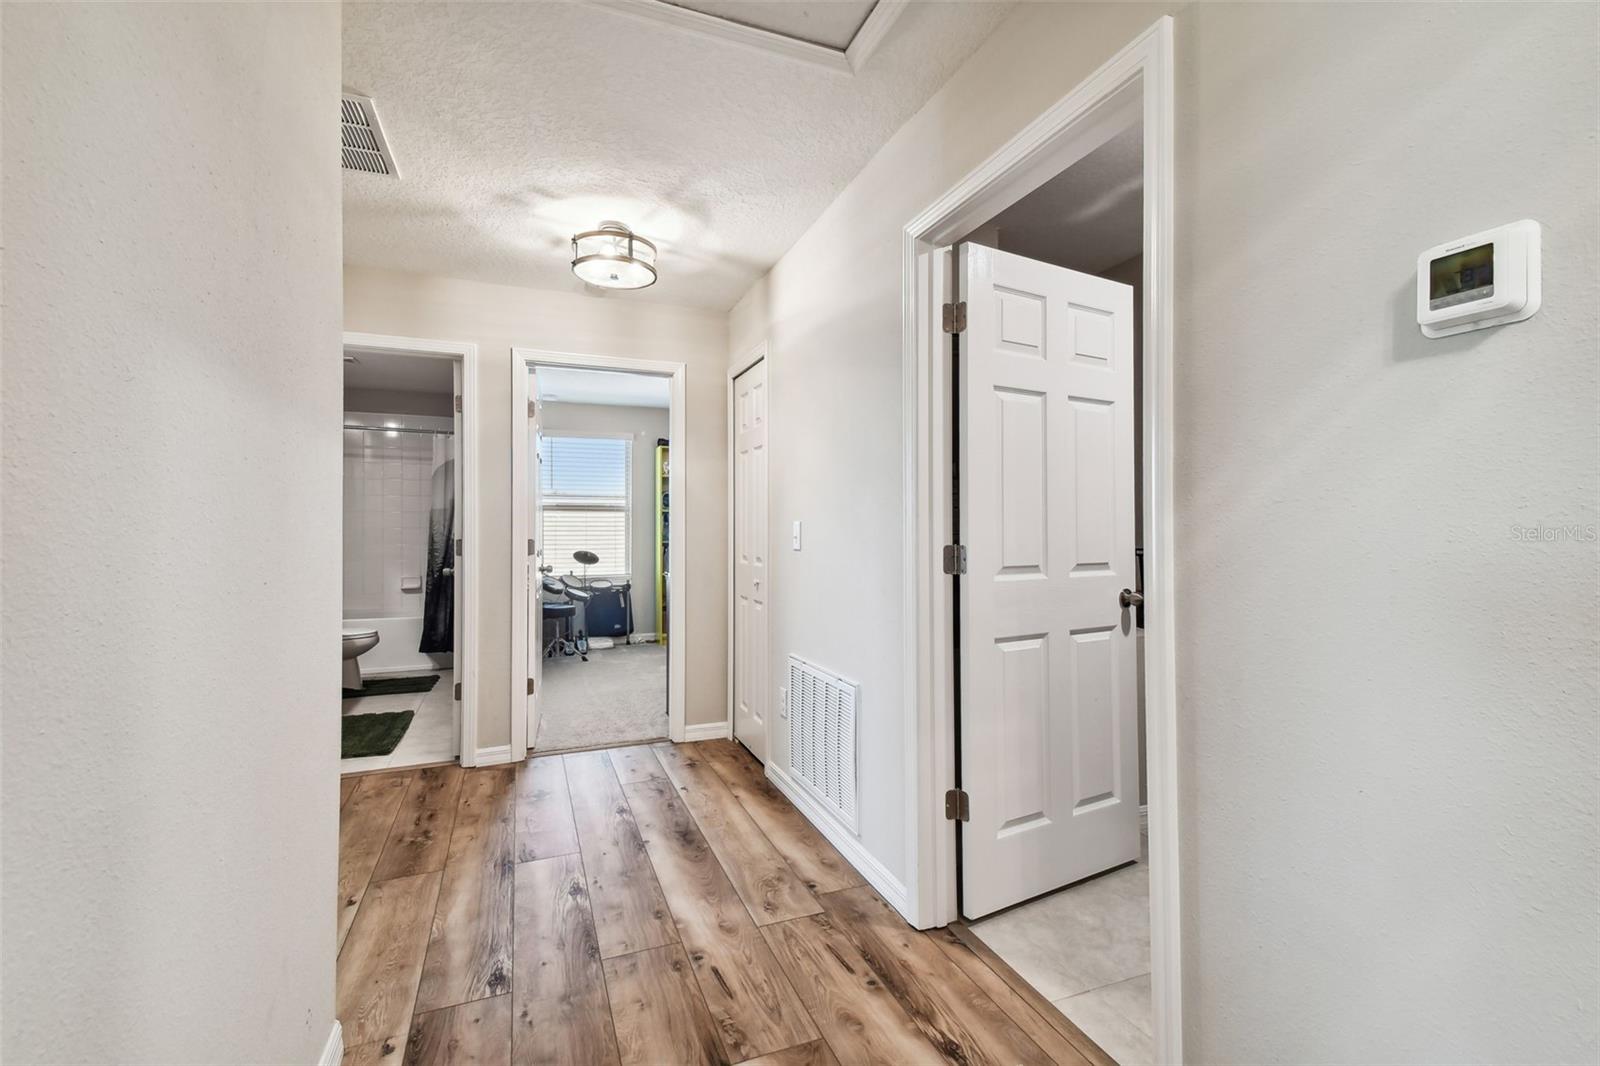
x: 584, y: 482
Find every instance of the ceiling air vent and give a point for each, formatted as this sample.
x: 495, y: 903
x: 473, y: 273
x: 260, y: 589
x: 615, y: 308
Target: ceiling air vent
x: 365, y: 147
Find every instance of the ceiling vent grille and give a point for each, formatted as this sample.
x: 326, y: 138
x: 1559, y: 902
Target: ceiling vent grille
x: 365, y: 147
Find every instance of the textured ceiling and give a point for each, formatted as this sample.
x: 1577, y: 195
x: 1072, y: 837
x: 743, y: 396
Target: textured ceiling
x: 1090, y: 216
x: 516, y: 125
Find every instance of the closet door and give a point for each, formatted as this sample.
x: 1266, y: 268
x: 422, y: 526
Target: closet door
x: 751, y: 672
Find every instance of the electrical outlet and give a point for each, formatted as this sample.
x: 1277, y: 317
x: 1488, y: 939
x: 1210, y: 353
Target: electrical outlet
x: 783, y: 702
x: 795, y: 540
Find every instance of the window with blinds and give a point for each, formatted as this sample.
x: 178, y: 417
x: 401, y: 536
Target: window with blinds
x: 584, y: 482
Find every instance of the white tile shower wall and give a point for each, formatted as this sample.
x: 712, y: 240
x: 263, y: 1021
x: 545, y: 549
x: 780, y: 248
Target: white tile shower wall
x: 388, y: 480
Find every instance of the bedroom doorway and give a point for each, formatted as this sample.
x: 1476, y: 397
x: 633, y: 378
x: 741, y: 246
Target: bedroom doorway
x: 597, y: 506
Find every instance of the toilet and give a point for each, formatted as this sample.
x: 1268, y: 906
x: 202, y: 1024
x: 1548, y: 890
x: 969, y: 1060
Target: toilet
x: 358, y: 640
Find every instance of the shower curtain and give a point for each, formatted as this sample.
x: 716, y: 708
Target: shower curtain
x: 438, y: 608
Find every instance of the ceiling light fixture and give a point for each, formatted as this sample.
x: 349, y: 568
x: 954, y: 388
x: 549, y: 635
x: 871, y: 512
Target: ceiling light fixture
x: 614, y: 257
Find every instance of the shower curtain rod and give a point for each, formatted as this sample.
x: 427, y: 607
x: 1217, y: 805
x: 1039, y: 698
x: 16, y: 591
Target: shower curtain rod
x: 401, y: 429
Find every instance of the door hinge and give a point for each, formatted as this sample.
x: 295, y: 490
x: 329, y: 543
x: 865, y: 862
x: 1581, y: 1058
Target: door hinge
x: 955, y: 806
x: 955, y: 559
x: 458, y: 405
x: 955, y: 317
x: 530, y: 686
x: 457, y: 694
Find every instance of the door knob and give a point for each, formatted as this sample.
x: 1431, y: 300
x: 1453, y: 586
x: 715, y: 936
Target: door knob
x: 1130, y: 598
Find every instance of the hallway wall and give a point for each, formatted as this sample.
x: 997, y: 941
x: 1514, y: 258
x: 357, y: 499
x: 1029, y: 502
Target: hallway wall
x: 498, y: 317
x: 171, y: 479
x: 1386, y: 680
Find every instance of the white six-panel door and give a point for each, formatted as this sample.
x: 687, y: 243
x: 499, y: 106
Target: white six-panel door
x: 533, y: 573
x: 750, y: 547
x: 1049, y: 753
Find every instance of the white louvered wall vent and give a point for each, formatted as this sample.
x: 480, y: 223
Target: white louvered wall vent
x: 365, y: 147
x: 822, y: 737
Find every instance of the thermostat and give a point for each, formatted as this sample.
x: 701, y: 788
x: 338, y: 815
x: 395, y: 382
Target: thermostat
x: 1487, y: 279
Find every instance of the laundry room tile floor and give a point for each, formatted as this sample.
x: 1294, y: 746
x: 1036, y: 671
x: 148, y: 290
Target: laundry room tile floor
x: 1087, y: 949
x: 431, y: 737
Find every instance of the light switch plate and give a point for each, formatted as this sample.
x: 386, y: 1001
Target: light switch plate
x: 795, y: 539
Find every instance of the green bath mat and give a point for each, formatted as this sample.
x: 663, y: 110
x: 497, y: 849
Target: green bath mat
x: 373, y: 734
x: 393, y: 686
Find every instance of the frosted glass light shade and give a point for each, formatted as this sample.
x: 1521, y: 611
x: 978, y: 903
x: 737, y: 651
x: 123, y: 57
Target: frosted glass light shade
x: 614, y: 257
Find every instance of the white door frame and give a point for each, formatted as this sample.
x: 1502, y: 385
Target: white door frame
x: 466, y: 656
x: 1136, y: 81
x: 739, y: 366
x: 678, y: 595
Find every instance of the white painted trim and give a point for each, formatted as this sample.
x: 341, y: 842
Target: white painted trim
x: 333, y: 1050
x: 495, y: 756
x: 707, y: 731
x: 1142, y: 72
x: 679, y: 588
x: 466, y: 656
x: 839, y: 835
x: 745, y: 362
x: 731, y: 32
x: 874, y: 31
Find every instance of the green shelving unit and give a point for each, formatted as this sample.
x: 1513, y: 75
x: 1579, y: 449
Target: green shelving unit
x: 663, y: 537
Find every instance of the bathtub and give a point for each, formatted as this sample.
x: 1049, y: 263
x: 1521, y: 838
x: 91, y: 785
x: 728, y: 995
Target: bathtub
x: 396, y: 652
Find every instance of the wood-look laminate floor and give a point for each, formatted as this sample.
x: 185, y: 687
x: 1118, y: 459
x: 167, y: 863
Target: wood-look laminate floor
x: 654, y: 905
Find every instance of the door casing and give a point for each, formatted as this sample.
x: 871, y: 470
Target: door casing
x: 679, y: 588
x: 1135, y: 83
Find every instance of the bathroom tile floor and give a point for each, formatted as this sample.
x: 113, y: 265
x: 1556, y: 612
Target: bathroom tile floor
x: 1087, y: 950
x: 431, y: 738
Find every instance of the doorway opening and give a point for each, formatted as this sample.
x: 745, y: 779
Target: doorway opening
x: 1040, y: 289
x: 1074, y: 919
x: 407, y: 692
x: 598, y: 517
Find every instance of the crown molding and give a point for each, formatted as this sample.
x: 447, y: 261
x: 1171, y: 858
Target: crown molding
x: 874, y: 31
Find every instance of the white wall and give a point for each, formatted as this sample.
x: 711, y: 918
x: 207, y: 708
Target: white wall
x: 645, y: 426
x: 1387, y: 701
x: 499, y: 317
x: 170, y: 561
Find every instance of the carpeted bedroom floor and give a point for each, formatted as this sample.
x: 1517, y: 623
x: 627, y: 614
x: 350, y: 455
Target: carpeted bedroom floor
x: 619, y: 695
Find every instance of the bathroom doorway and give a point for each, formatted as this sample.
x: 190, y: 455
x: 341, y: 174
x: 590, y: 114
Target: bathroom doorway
x: 407, y: 690
x: 598, y: 543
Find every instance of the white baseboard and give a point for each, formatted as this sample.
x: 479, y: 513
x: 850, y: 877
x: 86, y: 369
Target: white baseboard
x: 333, y: 1050
x: 705, y: 731
x: 849, y: 845
x: 500, y: 753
